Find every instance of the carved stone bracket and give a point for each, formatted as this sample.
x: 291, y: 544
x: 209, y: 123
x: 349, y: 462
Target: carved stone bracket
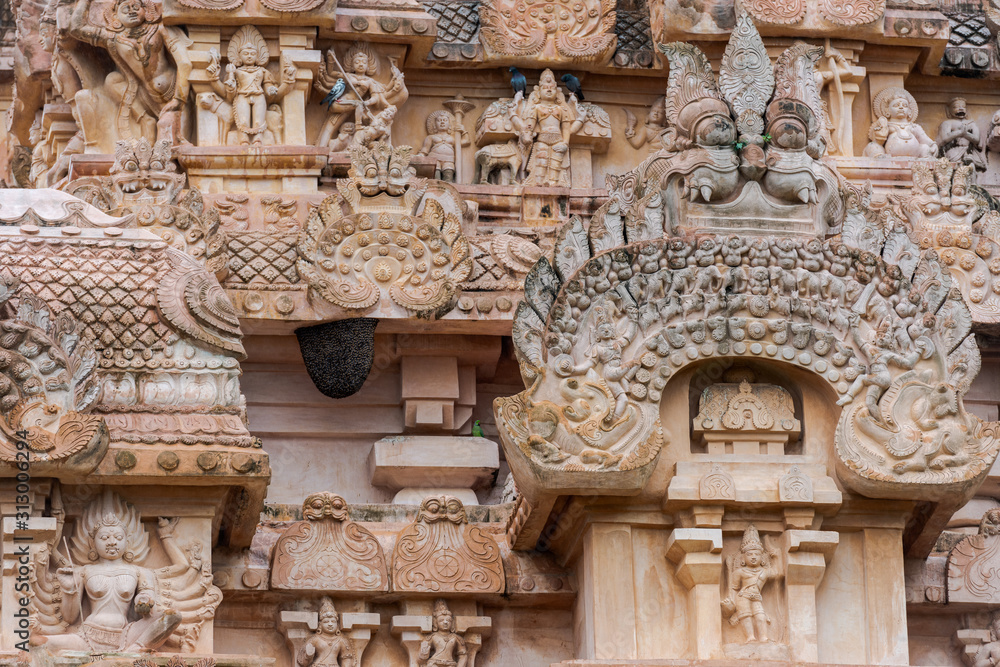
x: 440, y: 634
x: 327, y: 637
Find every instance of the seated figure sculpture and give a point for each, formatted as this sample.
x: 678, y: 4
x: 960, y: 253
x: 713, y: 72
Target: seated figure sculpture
x: 895, y: 132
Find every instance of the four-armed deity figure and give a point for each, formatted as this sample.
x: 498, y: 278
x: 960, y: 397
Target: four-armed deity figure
x: 328, y: 647
x: 148, y: 88
x: 443, y: 647
x: 365, y: 100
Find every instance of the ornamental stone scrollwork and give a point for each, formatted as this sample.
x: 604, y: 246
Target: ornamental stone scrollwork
x: 368, y: 247
x: 145, y: 186
x: 973, y: 564
x: 548, y: 31
x: 101, y: 598
x: 774, y: 178
x: 328, y: 552
x: 816, y: 13
x: 48, y: 384
x: 441, y: 553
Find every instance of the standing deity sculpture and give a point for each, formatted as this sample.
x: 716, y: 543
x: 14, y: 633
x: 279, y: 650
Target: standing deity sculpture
x: 249, y: 89
x: 102, y: 599
x: 749, y: 571
x: 830, y: 73
x: 545, y: 123
x: 355, y: 95
x: 150, y: 82
x: 895, y: 132
x: 440, y: 143
x: 443, y: 647
x: 959, y: 138
x: 328, y: 647
x: 654, y: 126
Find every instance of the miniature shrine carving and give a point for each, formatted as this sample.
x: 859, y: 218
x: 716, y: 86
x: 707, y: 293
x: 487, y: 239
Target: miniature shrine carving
x: 380, y: 247
x: 104, y: 568
x: 746, y: 418
x: 440, y: 553
x: 895, y: 132
x: 327, y: 551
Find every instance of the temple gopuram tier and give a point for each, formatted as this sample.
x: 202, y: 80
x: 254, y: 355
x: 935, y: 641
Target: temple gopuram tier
x: 499, y: 333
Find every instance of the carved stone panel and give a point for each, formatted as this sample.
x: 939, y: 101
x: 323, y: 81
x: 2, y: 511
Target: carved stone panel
x: 441, y: 553
x: 548, y: 32
x: 328, y: 552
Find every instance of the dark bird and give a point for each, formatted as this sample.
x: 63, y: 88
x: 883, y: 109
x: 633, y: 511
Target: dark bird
x: 573, y: 85
x: 517, y: 81
x: 477, y: 430
x: 335, y: 93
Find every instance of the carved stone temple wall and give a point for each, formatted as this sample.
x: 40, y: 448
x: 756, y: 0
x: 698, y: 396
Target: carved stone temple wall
x: 499, y: 333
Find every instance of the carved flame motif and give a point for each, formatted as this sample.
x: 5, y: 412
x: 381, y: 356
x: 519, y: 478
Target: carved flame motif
x: 746, y: 77
x: 852, y: 12
x: 440, y: 553
x: 548, y: 30
x: 328, y: 552
x: 352, y: 260
x: 973, y: 566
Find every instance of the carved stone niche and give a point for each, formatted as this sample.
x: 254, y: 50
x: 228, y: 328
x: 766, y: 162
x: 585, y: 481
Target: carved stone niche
x: 441, y: 553
x: 327, y: 552
x: 330, y: 636
x: 433, y: 635
x: 551, y: 32
x: 744, y: 418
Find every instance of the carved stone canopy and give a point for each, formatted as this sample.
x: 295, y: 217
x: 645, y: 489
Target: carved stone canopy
x: 746, y: 418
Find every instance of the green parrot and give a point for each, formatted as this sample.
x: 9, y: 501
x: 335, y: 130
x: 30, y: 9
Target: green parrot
x: 477, y: 430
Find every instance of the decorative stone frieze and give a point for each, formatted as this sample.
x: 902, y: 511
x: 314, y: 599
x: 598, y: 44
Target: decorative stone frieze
x: 549, y: 32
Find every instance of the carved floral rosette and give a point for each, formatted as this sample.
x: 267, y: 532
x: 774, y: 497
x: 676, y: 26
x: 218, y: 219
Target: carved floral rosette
x: 367, y: 246
x: 548, y: 31
x: 862, y: 306
x: 441, y: 553
x: 327, y: 552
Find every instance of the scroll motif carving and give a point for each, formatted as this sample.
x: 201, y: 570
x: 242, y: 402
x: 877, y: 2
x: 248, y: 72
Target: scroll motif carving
x: 380, y: 247
x: 327, y: 551
x: 717, y: 485
x: 782, y: 12
x: 974, y: 563
x: 852, y: 12
x: 550, y: 31
x: 440, y: 553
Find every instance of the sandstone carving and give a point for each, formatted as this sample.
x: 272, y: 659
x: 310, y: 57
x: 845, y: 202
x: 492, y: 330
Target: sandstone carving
x: 356, y: 96
x: 328, y: 647
x: 981, y: 648
x: 149, y: 86
x: 652, y: 129
x: 745, y: 418
x: 440, y: 553
x: 100, y: 585
x: 440, y: 638
x: 973, y: 562
x: 443, y: 646
x: 444, y: 138
x: 328, y: 552
x: 551, y: 31
x: 895, y: 132
x: 959, y: 139
x: 351, y: 257
x: 247, y: 97
x: 749, y: 571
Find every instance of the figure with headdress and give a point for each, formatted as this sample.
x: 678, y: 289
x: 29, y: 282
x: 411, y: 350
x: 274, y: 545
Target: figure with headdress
x: 545, y: 122
x: 652, y: 130
x: 440, y: 143
x: 101, y: 598
x: 249, y: 87
x: 149, y: 89
x: 328, y: 647
x: 959, y: 138
x: 443, y: 647
x: 749, y: 571
x: 895, y: 132
x: 365, y: 99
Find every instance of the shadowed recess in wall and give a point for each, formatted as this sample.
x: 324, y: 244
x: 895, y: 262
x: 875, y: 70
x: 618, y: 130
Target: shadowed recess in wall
x: 338, y: 355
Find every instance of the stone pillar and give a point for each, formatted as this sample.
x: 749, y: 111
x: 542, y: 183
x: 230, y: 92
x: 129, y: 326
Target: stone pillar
x: 605, y: 608
x: 807, y: 553
x: 697, y: 555
x: 886, y: 597
x: 294, y: 47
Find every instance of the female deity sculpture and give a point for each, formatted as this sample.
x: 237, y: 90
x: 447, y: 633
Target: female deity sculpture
x: 546, y: 123
x: 249, y: 87
x: 328, y: 647
x: 895, y: 132
x: 649, y: 133
x: 443, y: 647
x: 101, y: 598
x: 147, y: 87
x: 440, y: 143
x: 364, y: 98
